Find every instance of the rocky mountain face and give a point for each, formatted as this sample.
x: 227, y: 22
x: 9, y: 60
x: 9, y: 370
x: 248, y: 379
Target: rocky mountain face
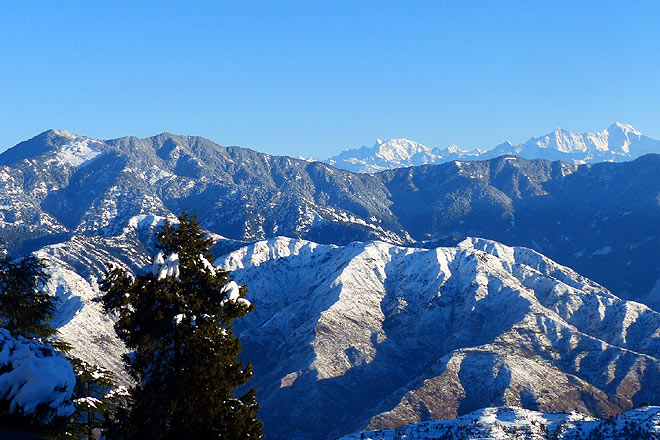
x: 601, y: 219
x: 619, y: 142
x: 376, y: 336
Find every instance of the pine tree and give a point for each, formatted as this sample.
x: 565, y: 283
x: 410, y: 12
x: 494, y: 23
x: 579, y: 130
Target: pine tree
x: 25, y: 305
x: 26, y: 308
x: 178, y: 322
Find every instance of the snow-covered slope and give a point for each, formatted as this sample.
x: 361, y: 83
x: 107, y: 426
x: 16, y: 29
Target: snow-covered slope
x: 619, y: 142
x: 375, y: 335
x: 75, y: 267
x: 517, y: 423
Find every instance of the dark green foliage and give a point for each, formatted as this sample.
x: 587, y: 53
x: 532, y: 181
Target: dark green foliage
x: 25, y: 310
x: 19, y: 426
x: 25, y: 306
x: 184, y: 355
x: 97, y: 400
x: 187, y: 239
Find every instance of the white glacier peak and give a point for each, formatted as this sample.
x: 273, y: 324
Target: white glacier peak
x: 618, y: 142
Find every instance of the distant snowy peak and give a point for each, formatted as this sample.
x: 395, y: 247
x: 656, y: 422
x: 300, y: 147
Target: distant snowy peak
x: 619, y: 142
x: 401, y: 149
x: 616, y: 139
x: 396, y: 153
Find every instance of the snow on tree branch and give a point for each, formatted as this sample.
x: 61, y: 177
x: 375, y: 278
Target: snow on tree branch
x: 232, y: 291
x: 36, y: 376
x: 165, y: 267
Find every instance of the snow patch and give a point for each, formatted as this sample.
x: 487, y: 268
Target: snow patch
x: 232, y: 291
x: 165, y: 267
x: 78, y: 152
x: 37, y: 375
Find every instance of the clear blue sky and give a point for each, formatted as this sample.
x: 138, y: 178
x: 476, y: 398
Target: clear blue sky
x: 312, y: 78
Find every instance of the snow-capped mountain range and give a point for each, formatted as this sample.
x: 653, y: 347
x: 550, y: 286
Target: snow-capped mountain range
x: 59, y: 186
x: 619, y: 142
x: 380, y: 300
x: 398, y: 153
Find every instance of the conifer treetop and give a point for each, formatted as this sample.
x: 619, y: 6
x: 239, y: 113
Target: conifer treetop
x: 186, y: 239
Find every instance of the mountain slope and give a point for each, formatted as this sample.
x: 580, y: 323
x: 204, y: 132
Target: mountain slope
x: 49, y: 193
x: 377, y: 335
x: 598, y: 219
x: 619, y: 142
x: 374, y: 335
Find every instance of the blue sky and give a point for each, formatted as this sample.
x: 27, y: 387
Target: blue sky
x: 313, y: 78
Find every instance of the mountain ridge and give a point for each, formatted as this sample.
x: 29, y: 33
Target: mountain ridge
x: 399, y: 334
x: 618, y: 142
x: 512, y: 422
x: 80, y: 186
